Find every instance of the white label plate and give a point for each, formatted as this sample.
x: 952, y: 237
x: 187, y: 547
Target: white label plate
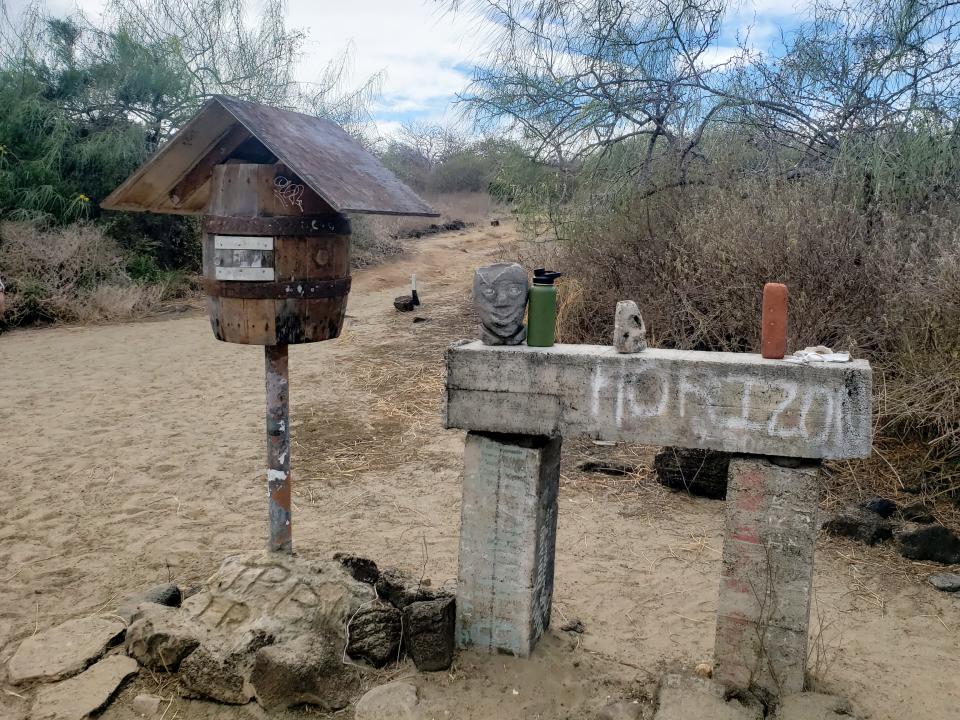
x: 242, y: 242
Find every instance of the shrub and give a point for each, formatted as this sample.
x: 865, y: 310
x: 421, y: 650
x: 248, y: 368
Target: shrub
x: 881, y: 283
x: 75, y: 273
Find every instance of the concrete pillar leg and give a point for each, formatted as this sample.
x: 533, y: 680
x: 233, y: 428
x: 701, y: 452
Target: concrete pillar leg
x: 507, y: 539
x: 767, y: 575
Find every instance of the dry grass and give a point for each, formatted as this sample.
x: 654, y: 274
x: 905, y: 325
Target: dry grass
x: 881, y: 285
x: 71, y: 274
x: 403, y: 379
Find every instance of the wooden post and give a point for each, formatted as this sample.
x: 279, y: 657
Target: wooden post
x: 278, y: 448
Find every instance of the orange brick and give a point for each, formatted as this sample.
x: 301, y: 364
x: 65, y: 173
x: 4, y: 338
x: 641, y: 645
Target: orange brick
x: 773, y: 333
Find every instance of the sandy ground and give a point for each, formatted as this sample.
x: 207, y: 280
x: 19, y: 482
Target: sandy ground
x: 133, y: 454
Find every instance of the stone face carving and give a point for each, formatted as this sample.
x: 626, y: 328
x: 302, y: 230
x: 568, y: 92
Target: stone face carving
x: 628, y: 329
x: 500, y: 293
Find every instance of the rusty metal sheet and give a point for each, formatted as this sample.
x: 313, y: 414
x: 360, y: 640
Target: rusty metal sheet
x: 334, y: 165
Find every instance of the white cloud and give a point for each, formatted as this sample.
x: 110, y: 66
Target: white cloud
x: 420, y: 48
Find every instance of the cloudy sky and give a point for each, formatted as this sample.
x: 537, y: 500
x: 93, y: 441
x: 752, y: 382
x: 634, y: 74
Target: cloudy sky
x: 425, y: 52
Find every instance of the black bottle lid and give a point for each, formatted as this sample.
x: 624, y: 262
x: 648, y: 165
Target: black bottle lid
x: 542, y: 276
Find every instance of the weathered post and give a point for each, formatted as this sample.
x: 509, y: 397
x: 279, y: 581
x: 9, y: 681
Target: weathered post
x: 278, y: 448
x: 767, y: 574
x: 274, y: 188
x: 507, y: 539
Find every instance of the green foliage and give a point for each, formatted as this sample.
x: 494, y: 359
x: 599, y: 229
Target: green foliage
x: 84, y: 103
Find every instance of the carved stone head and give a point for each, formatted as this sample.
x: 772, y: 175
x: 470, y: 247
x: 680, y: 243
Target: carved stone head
x: 500, y: 293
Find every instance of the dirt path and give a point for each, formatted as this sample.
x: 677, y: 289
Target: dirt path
x: 132, y: 454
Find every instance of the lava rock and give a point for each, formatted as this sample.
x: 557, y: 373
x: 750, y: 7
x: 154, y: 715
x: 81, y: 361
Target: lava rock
x: 918, y: 513
x: 81, y: 696
x: 63, y: 650
x: 375, y: 634
x: 161, y: 637
x: 393, y: 701
x: 881, y: 506
x: 399, y: 589
x: 575, y: 626
x: 859, y: 524
x: 494, y: 223
x: 931, y: 542
x: 608, y: 467
x: 306, y: 670
x: 428, y: 633
x: 945, y: 582
x: 363, y: 569
x: 699, y: 472
x: 404, y: 303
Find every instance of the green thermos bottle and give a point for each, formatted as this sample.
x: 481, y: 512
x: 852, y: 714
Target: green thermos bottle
x: 542, y: 313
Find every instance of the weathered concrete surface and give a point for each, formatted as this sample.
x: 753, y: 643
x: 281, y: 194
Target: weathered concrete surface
x: 85, y: 694
x: 161, y: 637
x: 734, y: 402
x: 308, y: 669
x: 766, y: 575
x: 629, y: 332
x: 280, y: 595
x: 64, y: 650
x: 254, y: 602
x: 681, y: 697
x: 507, y: 539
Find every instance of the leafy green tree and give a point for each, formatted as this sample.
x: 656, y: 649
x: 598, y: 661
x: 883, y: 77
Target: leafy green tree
x: 82, y: 104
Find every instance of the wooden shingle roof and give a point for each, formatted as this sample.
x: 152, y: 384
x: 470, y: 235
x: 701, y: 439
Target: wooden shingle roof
x: 330, y: 162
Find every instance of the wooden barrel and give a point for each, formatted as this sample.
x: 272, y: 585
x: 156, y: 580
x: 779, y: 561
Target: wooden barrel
x: 276, y: 258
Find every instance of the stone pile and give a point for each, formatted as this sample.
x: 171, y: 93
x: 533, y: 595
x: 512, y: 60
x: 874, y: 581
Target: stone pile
x: 276, y: 629
x: 912, y: 528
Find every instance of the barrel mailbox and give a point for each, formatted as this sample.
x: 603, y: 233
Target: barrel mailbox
x: 274, y: 188
x: 276, y: 264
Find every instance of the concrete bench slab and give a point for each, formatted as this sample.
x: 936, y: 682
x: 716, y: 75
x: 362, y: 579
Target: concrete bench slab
x: 734, y: 402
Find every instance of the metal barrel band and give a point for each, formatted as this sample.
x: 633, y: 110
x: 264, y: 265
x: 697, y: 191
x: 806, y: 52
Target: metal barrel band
x: 299, y: 289
x: 281, y: 225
